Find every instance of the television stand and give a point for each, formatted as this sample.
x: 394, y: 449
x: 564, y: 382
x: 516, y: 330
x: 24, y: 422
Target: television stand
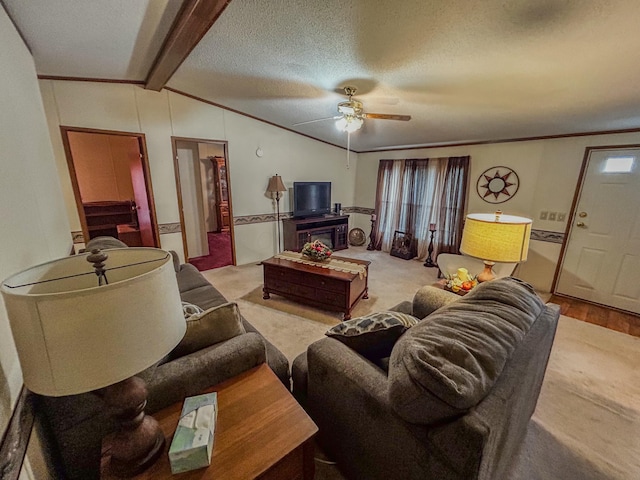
x: 330, y: 230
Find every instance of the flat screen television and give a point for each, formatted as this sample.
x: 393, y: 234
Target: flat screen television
x: 311, y: 199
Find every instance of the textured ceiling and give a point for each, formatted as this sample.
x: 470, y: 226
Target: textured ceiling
x: 464, y: 70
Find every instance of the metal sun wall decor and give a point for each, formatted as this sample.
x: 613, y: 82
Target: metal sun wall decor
x: 497, y: 184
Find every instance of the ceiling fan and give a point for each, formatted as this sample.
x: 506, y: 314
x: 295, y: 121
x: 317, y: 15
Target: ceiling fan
x: 352, y: 115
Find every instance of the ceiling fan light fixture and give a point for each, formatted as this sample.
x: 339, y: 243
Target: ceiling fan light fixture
x: 349, y: 123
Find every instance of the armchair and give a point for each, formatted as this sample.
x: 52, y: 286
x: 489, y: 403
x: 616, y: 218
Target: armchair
x: 396, y: 418
x: 449, y: 263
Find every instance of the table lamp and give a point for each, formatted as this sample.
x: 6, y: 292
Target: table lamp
x: 277, y: 187
x: 495, y: 238
x: 82, y: 328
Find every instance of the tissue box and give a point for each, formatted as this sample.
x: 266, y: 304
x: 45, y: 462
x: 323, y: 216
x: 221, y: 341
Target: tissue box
x: 192, y: 443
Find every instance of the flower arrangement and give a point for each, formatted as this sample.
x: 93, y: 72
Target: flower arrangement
x: 316, y: 250
x: 462, y: 281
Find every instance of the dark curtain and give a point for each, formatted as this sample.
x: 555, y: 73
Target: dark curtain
x: 412, y: 193
x: 453, y: 205
x: 386, y: 196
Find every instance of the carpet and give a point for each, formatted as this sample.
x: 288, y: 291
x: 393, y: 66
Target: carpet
x: 219, y: 252
x: 330, y: 318
x: 587, y: 422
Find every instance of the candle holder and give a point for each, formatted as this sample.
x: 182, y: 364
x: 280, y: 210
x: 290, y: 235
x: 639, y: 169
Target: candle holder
x: 372, y: 241
x: 429, y: 262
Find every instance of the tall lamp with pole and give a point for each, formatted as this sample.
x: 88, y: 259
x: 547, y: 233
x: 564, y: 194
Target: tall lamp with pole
x: 276, y: 188
x: 76, y: 333
x: 495, y: 238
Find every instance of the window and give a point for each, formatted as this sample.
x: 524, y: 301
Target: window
x: 619, y: 164
x: 413, y: 194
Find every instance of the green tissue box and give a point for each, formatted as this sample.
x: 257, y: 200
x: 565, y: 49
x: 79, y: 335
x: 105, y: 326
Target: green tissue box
x: 192, y: 443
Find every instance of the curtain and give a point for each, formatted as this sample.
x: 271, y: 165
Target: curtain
x: 412, y: 194
x: 454, y: 197
x: 388, y: 191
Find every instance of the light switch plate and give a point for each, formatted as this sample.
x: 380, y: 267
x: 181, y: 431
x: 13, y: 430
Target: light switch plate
x: 552, y: 216
x: 543, y: 215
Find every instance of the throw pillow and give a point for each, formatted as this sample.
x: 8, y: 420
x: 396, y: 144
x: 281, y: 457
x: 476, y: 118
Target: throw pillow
x: 373, y: 335
x: 212, y: 326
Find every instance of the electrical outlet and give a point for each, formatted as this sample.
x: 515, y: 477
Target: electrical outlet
x: 552, y: 216
x: 543, y: 215
x: 562, y: 217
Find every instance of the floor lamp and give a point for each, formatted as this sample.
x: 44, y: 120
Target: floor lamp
x: 277, y: 187
x: 76, y: 333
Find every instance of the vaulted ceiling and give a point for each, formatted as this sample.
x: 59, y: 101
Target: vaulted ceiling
x: 464, y: 70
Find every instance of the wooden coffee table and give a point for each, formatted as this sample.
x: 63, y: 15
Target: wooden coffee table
x: 261, y: 433
x: 316, y: 286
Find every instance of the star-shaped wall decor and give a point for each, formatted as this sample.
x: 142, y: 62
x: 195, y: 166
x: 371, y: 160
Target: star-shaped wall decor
x: 497, y: 181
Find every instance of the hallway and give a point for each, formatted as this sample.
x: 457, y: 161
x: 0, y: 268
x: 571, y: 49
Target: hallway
x: 219, y: 252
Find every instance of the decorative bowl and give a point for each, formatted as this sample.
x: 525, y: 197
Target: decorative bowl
x: 357, y: 237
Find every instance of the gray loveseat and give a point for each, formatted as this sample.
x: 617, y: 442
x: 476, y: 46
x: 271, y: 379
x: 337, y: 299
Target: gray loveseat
x: 71, y: 427
x: 453, y: 400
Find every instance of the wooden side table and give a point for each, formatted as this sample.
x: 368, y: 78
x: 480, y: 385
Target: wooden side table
x: 261, y: 433
x: 442, y: 285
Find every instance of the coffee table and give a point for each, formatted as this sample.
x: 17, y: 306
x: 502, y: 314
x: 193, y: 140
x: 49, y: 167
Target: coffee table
x: 261, y: 433
x: 314, y: 285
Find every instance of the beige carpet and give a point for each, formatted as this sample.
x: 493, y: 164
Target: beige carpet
x: 587, y: 422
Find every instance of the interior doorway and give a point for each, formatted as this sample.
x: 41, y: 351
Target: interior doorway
x: 601, y: 257
x: 204, y: 200
x: 112, y: 185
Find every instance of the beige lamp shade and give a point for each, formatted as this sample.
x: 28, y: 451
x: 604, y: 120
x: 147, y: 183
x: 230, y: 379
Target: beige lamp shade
x: 276, y: 185
x: 74, y: 336
x: 496, y: 237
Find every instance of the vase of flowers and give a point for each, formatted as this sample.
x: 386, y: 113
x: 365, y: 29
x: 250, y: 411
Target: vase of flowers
x: 316, y: 251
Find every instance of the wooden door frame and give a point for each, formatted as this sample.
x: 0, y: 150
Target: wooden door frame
x: 574, y: 205
x: 142, y: 145
x: 225, y: 145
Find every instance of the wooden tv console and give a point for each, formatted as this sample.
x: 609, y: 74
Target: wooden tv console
x: 329, y: 228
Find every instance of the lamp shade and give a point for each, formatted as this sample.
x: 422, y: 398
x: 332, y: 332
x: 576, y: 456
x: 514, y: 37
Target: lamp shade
x: 496, y: 237
x: 74, y: 336
x: 276, y: 185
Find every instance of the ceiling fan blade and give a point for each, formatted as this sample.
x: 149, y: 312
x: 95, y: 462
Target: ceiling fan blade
x: 317, y: 120
x: 384, y: 116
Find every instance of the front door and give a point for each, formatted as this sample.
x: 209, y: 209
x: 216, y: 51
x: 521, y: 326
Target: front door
x: 602, y: 257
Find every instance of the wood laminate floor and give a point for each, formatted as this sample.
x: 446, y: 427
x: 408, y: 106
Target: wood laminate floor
x: 599, y: 315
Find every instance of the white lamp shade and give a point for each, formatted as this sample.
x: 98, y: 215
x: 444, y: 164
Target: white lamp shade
x: 505, y: 239
x: 74, y: 336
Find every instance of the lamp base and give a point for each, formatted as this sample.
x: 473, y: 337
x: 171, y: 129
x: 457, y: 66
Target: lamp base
x: 487, y: 274
x: 139, y: 440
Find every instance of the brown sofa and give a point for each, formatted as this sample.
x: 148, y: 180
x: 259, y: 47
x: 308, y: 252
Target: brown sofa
x: 71, y: 427
x: 452, y: 401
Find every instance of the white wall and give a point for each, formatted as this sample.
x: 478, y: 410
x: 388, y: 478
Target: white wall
x: 548, y: 172
x: 159, y: 115
x: 192, y: 199
x: 34, y: 222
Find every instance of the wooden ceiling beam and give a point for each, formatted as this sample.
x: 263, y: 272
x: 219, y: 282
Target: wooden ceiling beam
x: 194, y: 20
